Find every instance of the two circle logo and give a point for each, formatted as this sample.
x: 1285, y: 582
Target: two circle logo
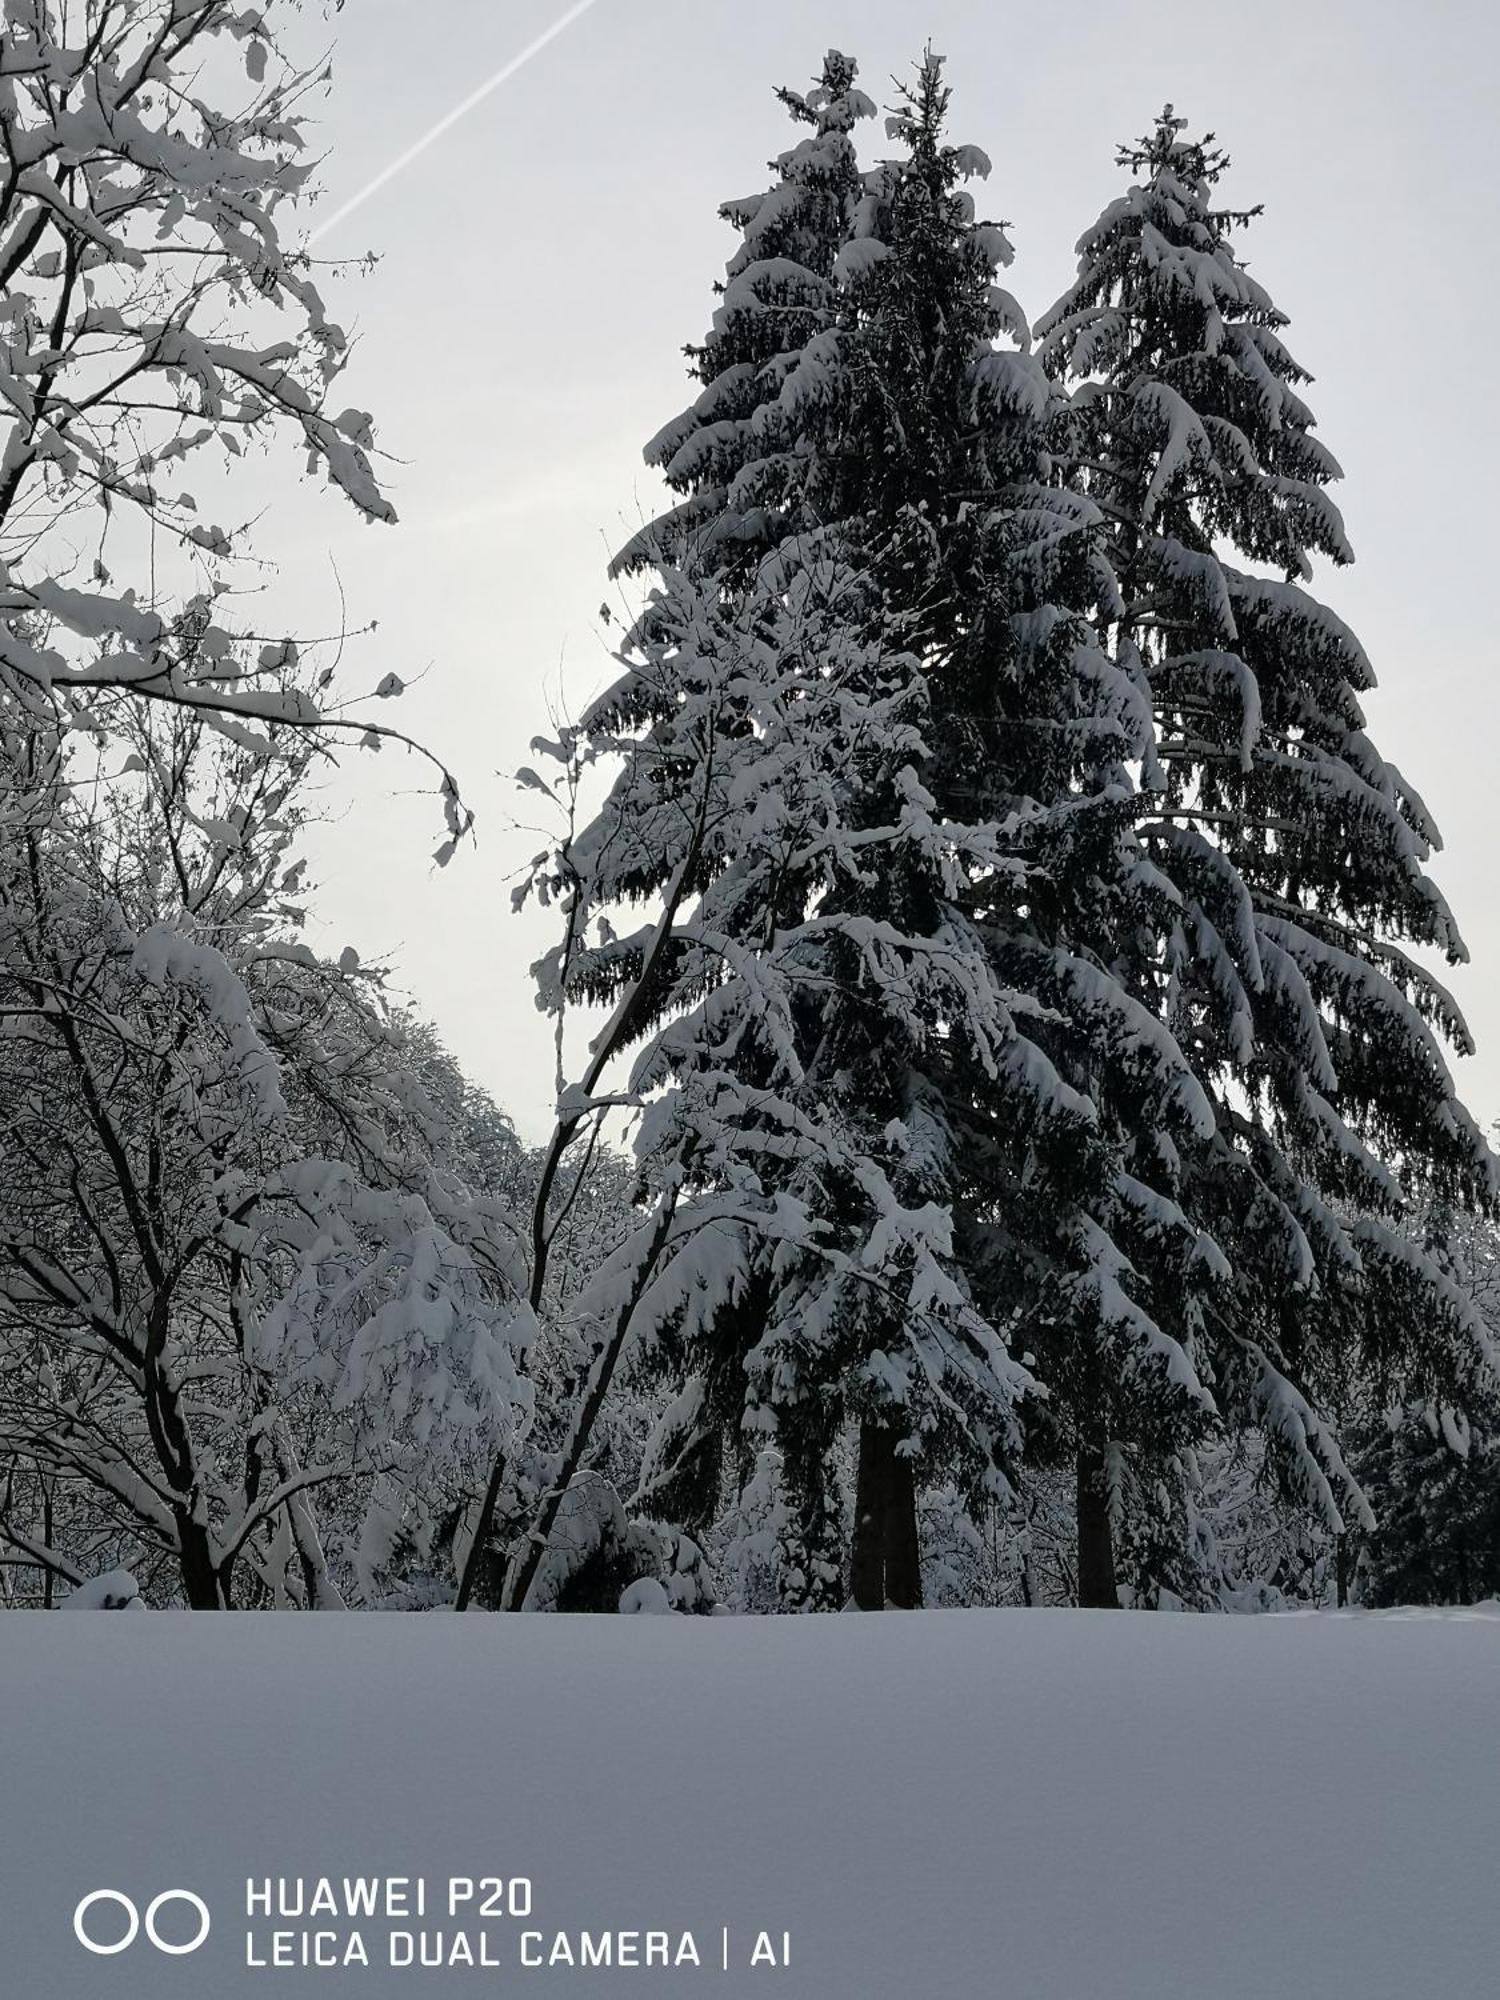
x: 134, y: 1921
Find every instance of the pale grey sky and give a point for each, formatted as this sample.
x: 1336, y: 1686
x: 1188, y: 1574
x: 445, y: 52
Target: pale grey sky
x: 544, y: 262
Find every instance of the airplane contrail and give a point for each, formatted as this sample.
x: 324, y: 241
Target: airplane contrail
x: 446, y: 124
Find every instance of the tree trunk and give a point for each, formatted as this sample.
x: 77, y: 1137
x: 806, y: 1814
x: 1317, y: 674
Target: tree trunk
x: 1097, y: 1590
x: 202, y: 1584
x: 871, y: 1500
x: 903, y: 1562
x: 48, y: 1528
x: 885, y: 1563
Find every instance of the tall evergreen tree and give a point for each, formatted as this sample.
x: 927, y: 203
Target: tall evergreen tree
x: 897, y: 425
x: 1295, y: 852
x: 798, y: 1258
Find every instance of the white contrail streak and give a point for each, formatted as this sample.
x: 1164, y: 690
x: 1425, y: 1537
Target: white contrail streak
x: 446, y: 124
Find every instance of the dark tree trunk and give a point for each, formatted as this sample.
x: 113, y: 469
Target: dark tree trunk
x: 1097, y: 1589
x: 903, y: 1562
x: 871, y: 1501
x: 885, y: 1564
x: 203, y: 1585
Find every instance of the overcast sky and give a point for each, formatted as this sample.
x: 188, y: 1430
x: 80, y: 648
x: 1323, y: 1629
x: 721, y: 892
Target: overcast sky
x: 543, y: 264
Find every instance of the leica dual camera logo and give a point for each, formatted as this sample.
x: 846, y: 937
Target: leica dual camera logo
x: 107, y: 1922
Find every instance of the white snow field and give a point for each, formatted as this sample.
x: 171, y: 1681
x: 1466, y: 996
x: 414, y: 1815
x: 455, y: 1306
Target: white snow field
x: 1014, y: 1805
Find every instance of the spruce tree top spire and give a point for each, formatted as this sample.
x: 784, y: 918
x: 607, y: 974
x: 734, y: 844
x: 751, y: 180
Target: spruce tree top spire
x: 1163, y: 156
x: 1163, y: 148
x: 921, y: 114
x: 833, y: 104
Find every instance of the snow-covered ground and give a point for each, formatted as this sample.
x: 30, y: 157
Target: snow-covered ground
x: 1015, y: 1805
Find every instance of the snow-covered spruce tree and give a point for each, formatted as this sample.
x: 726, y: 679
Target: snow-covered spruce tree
x: 1295, y: 851
x: 797, y: 1251
x: 899, y: 424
